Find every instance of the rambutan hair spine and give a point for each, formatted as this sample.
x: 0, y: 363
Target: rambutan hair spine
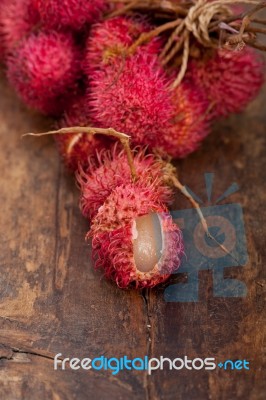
x: 62, y: 14
x: 135, y: 241
x: 43, y: 69
x: 202, y: 24
x: 76, y: 148
x: 134, y: 238
x: 18, y: 18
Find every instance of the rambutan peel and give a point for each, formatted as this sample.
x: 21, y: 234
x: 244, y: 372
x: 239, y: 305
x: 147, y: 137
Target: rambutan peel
x: 134, y: 96
x: 230, y: 79
x: 113, y: 37
x: 134, y: 239
x: 78, y: 149
x: 135, y: 255
x: 112, y: 170
x: 17, y: 19
x: 68, y: 13
x: 44, y: 70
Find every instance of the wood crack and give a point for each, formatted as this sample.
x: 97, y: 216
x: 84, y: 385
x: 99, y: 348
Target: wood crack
x: 15, y: 350
x: 145, y: 296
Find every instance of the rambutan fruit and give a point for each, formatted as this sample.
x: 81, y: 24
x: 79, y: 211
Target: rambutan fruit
x: 190, y: 123
x: 134, y: 95
x: 131, y: 95
x: 113, y: 37
x: 43, y: 69
x: 73, y: 14
x: 134, y: 239
x: 112, y: 170
x: 230, y: 79
x: 78, y: 148
x: 17, y: 19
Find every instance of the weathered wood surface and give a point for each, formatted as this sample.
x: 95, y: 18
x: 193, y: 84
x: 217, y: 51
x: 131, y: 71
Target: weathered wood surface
x: 53, y: 302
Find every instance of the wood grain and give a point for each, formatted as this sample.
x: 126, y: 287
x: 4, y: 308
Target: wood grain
x: 52, y: 301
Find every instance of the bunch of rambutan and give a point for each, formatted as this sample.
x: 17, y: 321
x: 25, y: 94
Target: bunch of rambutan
x: 78, y: 61
x: 58, y: 52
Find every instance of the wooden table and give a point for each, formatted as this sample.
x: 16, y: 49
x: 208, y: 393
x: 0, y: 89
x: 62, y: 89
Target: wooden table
x: 52, y: 301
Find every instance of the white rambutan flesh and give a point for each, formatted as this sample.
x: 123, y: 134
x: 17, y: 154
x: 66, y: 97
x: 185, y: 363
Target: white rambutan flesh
x: 147, y: 242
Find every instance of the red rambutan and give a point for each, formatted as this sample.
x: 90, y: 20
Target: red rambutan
x: 78, y: 148
x: 73, y: 14
x: 134, y: 96
x: 17, y: 20
x: 43, y: 69
x: 230, y: 79
x: 112, y: 170
x: 113, y: 37
x: 131, y: 95
x: 190, y: 123
x: 134, y: 239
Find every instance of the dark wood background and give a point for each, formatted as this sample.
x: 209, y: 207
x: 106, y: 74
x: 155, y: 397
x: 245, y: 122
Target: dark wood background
x: 52, y: 301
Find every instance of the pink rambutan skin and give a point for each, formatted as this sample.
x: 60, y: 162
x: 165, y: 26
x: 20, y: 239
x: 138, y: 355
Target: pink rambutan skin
x: 78, y: 149
x: 113, y: 201
x: 131, y: 95
x: 230, y: 79
x: 114, y: 37
x: 190, y: 124
x: 17, y: 19
x: 73, y: 14
x: 43, y: 69
x: 112, y: 241
x: 135, y: 96
x: 112, y: 170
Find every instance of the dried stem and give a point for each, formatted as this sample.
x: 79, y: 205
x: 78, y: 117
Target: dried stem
x: 258, y: 21
x: 184, y: 64
x: 124, y: 139
x: 197, y: 19
x: 255, y: 30
x: 177, y: 184
x: 123, y: 10
x: 170, y: 41
x: 147, y: 36
x: 258, y: 46
x: 166, y: 8
x: 184, y: 191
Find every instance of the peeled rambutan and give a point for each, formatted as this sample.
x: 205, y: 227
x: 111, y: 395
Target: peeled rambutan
x: 73, y: 14
x: 134, y: 95
x: 44, y: 69
x: 100, y: 179
x: 230, y: 79
x: 78, y: 148
x: 134, y: 239
x: 113, y: 37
